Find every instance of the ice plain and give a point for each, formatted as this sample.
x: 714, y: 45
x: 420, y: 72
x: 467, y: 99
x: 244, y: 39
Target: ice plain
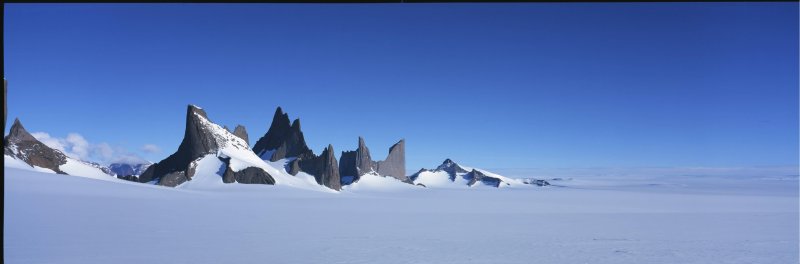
x: 52, y: 218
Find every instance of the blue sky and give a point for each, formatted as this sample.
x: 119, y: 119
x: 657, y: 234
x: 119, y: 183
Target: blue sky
x: 489, y: 85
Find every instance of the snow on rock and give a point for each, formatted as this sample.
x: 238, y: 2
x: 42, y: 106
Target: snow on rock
x: 453, y: 175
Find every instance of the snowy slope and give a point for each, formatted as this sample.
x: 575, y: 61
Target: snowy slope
x: 375, y: 182
x: 50, y: 218
x: 78, y: 168
x: 73, y: 167
x: 11, y: 162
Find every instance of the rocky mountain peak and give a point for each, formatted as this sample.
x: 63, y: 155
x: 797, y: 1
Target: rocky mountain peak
x: 324, y: 168
x: 282, y: 139
x: 200, y: 138
x: 18, y: 132
x: 450, y: 167
x: 23, y: 146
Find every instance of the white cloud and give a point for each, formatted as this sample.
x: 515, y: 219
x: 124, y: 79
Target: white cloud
x: 49, y: 141
x: 104, y: 151
x: 151, y: 148
x: 76, y: 146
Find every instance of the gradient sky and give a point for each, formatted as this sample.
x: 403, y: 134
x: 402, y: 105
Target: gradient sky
x: 488, y: 85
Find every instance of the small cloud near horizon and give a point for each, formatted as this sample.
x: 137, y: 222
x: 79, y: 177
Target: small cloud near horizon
x: 151, y: 148
x: 76, y: 146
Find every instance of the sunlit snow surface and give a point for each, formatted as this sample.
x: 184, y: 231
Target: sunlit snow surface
x: 52, y: 218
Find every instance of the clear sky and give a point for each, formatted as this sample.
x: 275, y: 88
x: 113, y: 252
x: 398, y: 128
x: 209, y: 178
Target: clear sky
x: 488, y: 85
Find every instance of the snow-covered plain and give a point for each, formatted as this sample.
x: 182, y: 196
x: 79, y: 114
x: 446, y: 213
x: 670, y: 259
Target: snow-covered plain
x: 52, y: 218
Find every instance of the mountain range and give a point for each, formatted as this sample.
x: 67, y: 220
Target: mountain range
x: 218, y: 155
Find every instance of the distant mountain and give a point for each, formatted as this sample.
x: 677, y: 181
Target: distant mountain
x: 354, y: 164
x: 128, y: 169
x: 451, y: 174
x: 21, y: 147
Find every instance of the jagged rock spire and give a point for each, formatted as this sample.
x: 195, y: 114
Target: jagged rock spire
x: 197, y: 142
x: 324, y: 168
x: 356, y: 162
x: 283, y: 139
x: 359, y: 162
x: 395, y: 163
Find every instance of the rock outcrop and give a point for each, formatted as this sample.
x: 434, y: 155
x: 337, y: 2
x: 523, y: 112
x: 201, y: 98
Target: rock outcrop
x: 395, y: 163
x: 324, y: 168
x: 200, y: 139
x: 23, y: 146
x: 293, y: 167
x: 358, y: 162
x: 241, y: 132
x: 282, y: 140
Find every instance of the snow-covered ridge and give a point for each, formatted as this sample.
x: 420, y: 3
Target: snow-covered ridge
x: 453, y: 175
x: 230, y: 146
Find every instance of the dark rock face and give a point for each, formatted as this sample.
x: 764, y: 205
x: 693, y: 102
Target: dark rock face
x: 132, y: 178
x: 282, y: 139
x: 324, y: 168
x: 252, y: 175
x: 293, y: 167
x: 241, y: 132
x: 23, y: 146
x: 359, y: 162
x: 196, y: 143
x: 348, y: 164
x: 227, y: 176
x: 395, y: 163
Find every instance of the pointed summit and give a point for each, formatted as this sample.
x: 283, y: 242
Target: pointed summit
x: 282, y: 140
x: 450, y: 167
x: 296, y: 124
x: 198, y: 141
x: 23, y: 146
x: 18, y: 132
x: 357, y: 162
